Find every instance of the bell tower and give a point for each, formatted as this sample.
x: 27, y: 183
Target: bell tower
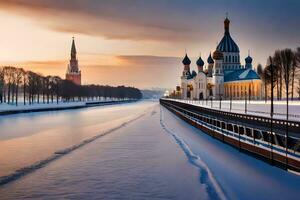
x: 73, y: 73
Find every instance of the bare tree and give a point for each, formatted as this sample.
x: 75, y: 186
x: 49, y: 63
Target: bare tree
x: 259, y: 70
x: 1, y: 84
x: 19, y: 73
x: 25, y: 82
x: 277, y: 61
x: 298, y: 89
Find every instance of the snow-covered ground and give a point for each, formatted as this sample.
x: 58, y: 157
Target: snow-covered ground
x: 8, y: 107
x: 257, y: 108
x: 36, y: 106
x: 148, y: 154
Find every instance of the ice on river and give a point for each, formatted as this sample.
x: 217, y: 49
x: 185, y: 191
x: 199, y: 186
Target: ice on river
x: 137, y: 161
x: 150, y: 155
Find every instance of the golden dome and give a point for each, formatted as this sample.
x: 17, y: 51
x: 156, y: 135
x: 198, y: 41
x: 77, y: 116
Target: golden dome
x: 218, y: 55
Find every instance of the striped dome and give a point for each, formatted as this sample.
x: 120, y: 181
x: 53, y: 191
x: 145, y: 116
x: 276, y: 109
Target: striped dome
x: 227, y: 44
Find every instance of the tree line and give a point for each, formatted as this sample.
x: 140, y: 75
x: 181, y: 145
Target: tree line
x: 285, y: 64
x: 17, y: 84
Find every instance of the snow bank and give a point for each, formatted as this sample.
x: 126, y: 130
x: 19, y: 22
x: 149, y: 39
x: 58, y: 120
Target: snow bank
x: 11, y: 109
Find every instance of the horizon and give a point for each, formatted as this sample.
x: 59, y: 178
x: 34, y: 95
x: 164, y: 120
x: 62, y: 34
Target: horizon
x: 147, y: 44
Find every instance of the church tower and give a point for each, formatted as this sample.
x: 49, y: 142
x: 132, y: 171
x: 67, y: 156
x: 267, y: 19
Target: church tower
x: 210, y: 65
x: 218, y: 75
x: 186, y: 70
x: 73, y: 73
x: 230, y: 50
x: 186, y: 74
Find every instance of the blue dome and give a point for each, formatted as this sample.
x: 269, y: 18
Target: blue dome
x: 248, y: 60
x: 227, y: 44
x: 186, y: 60
x: 210, y: 60
x: 200, y: 62
x: 194, y: 73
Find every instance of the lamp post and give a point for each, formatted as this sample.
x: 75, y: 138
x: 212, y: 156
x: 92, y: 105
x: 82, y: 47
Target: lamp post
x: 250, y: 91
x: 220, y: 97
x: 246, y: 101
x: 230, y: 102
x: 272, y: 111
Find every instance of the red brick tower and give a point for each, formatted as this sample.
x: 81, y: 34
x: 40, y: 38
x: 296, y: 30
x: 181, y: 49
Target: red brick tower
x: 73, y: 73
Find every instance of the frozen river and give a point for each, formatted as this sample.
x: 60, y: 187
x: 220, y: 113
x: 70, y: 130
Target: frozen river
x: 134, y: 151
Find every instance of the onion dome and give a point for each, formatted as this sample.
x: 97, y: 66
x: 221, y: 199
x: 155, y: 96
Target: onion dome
x: 210, y: 60
x: 194, y: 73
x: 218, y: 55
x: 248, y: 60
x: 227, y: 44
x: 186, y: 60
x: 200, y: 62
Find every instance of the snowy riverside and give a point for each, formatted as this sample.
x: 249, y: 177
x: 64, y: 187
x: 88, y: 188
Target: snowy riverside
x: 175, y: 100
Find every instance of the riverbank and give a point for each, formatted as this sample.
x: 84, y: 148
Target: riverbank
x: 12, y: 109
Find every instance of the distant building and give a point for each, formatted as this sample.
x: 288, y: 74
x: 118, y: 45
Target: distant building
x: 224, y: 76
x: 73, y: 73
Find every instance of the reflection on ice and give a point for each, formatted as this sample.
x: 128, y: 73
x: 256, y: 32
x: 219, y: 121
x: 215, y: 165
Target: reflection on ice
x: 29, y: 138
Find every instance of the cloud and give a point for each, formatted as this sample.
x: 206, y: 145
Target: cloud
x: 114, y: 19
x: 145, y: 60
x: 174, y: 25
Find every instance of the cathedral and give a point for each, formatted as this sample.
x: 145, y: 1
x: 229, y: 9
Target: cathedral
x: 223, y: 77
x: 73, y: 73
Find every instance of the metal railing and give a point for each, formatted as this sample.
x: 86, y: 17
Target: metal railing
x: 266, y: 139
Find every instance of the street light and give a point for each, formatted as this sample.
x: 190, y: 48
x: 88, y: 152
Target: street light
x: 230, y: 102
x: 246, y: 101
x: 272, y: 110
x: 220, y: 97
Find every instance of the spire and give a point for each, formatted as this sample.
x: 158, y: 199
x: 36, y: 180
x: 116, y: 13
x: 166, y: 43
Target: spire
x: 226, y: 24
x: 73, y: 49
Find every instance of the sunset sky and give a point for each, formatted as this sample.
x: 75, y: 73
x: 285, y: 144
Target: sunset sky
x: 137, y: 42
